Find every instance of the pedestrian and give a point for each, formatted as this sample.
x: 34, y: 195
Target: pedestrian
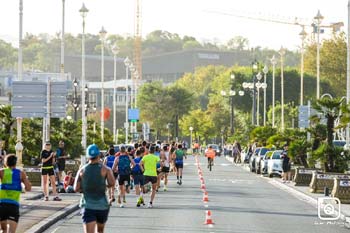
x: 139, y: 180
x: 47, y: 172
x: 123, y: 165
x: 2, y: 154
x: 11, y: 180
x: 91, y: 181
x: 179, y: 163
x: 61, y: 157
x: 109, y: 161
x: 68, y: 182
x: 286, y: 165
x: 149, y: 167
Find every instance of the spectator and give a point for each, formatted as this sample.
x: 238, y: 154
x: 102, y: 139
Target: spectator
x: 2, y: 154
x: 61, y: 157
x: 68, y: 182
x: 286, y: 165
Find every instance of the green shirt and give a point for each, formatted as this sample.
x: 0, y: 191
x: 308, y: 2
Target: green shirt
x: 150, y: 163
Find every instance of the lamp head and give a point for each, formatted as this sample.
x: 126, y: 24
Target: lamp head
x: 103, y: 33
x: 83, y: 11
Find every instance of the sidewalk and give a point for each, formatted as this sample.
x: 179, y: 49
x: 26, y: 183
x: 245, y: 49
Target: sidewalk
x: 301, y: 192
x: 37, y: 215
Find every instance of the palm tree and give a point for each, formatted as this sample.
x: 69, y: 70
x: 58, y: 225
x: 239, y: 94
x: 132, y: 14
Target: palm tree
x: 331, y: 110
x: 7, y: 122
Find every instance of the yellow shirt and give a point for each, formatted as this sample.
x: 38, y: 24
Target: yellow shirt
x: 150, y: 163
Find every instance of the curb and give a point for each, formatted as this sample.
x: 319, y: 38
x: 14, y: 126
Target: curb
x: 48, y: 222
x: 36, y: 197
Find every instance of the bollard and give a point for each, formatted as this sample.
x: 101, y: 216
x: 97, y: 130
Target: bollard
x: 326, y: 191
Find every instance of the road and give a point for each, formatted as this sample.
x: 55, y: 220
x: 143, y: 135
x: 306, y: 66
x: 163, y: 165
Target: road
x: 239, y: 201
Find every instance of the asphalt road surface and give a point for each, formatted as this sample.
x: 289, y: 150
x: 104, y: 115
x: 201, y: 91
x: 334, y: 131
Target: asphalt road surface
x: 239, y: 201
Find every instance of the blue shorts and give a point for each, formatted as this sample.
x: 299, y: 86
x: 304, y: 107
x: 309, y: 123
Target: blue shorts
x: 139, y: 180
x: 99, y: 216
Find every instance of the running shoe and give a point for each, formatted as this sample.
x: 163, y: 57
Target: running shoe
x: 180, y: 182
x: 57, y: 199
x: 150, y: 206
x: 121, y: 206
x: 142, y: 201
x: 46, y: 198
x: 165, y: 189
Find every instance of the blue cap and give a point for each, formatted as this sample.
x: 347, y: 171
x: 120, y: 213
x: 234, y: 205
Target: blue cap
x: 92, y: 151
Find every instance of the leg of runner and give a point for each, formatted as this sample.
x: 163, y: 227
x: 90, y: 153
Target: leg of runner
x: 90, y: 227
x: 54, y: 190
x: 165, y: 181
x: 180, y: 173
x: 153, y: 194
x: 121, y: 194
x: 100, y: 227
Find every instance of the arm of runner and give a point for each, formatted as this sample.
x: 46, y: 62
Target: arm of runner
x: 142, y: 166
x: 105, y: 161
x: 110, y: 178
x: 132, y: 161
x: 25, y: 181
x: 77, y: 182
x: 115, y: 165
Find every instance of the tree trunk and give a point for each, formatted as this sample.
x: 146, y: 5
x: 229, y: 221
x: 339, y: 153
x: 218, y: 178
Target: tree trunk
x: 303, y: 161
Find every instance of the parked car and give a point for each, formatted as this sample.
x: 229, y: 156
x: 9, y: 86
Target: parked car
x: 274, y: 164
x: 264, y: 161
x: 252, y: 159
x: 215, y: 147
x: 258, y: 158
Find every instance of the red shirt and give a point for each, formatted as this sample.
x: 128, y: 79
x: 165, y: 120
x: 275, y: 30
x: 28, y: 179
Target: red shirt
x: 68, y: 181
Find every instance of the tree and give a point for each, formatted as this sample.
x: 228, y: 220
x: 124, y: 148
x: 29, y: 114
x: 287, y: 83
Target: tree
x: 238, y: 43
x: 330, y: 109
x: 261, y: 134
x: 332, y: 61
x: 7, y: 122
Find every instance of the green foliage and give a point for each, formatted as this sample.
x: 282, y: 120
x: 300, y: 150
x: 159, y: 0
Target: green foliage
x: 261, y: 134
x: 332, y: 62
x: 323, y: 154
x: 298, y: 151
x: 7, y: 122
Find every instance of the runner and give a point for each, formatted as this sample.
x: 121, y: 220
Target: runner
x: 210, y: 154
x: 149, y: 165
x: 159, y: 169
x: 138, y: 178
x: 122, y: 164
x: 196, y: 147
x: 47, y: 172
x: 109, y: 161
x: 179, y: 163
x: 61, y: 157
x: 91, y: 182
x: 165, y: 164
x: 11, y: 179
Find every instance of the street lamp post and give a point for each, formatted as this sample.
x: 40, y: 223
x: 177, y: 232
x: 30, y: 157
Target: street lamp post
x: 62, y: 41
x: 103, y: 34
x: 231, y: 95
x: 318, y: 18
x: 127, y: 63
x: 282, y: 52
x: 258, y: 86
x: 83, y: 11
x: 115, y: 51
x: 191, y: 130
x: 347, y: 136
x: 265, y: 70
x: 273, y: 62
x: 303, y: 35
x: 255, y: 69
x: 75, y: 101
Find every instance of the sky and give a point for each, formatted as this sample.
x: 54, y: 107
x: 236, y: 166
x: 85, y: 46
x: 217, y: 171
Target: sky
x: 185, y: 17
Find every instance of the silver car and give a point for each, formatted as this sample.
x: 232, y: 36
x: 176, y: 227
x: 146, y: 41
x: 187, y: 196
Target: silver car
x: 274, y: 164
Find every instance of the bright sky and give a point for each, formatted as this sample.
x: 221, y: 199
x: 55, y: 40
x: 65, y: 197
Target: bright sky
x: 185, y: 17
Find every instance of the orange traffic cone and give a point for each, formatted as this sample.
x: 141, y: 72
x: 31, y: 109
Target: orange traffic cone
x: 201, y: 179
x: 208, y: 220
x: 203, y: 186
x: 205, y: 197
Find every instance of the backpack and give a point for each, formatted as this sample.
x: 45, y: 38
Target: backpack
x: 124, y: 165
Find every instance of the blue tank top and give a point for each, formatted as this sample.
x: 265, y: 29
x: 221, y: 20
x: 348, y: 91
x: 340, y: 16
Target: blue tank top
x: 136, y: 170
x: 110, y: 161
x: 124, y: 165
x: 157, y: 153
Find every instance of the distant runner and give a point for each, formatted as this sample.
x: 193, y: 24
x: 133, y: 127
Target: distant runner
x: 139, y: 179
x: 179, y: 163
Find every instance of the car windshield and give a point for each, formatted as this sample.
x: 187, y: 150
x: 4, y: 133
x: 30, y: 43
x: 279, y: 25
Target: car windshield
x: 276, y: 155
x: 263, y: 151
x: 257, y: 151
